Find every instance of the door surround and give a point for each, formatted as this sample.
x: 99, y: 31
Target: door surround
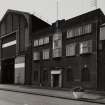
x: 56, y: 72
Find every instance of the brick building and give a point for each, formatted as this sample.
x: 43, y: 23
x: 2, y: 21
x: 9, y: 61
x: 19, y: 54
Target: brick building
x: 66, y: 54
x: 69, y: 55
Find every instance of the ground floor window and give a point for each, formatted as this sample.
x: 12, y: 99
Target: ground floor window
x: 35, y: 75
x: 45, y: 75
x: 85, y: 75
x: 69, y: 74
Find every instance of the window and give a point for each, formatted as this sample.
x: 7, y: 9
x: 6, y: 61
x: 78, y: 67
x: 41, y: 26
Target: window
x: 45, y: 75
x: 69, y: 74
x: 35, y: 75
x: 46, y: 40
x: 102, y: 33
x: 46, y: 54
x: 41, y: 41
x: 70, y: 33
x: 86, y: 47
x: 87, y: 28
x: 57, y: 40
x: 57, y: 45
x: 57, y: 52
x: 35, y: 43
x: 36, y: 56
x: 70, y: 49
x: 77, y: 31
x: 80, y: 30
x: 85, y: 76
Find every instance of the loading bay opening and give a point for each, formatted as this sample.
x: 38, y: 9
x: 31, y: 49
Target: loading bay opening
x: 7, y: 70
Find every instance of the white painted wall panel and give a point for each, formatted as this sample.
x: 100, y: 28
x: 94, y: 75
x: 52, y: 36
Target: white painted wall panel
x: 20, y: 70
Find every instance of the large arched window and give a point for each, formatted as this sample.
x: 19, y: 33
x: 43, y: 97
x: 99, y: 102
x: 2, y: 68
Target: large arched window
x: 85, y: 75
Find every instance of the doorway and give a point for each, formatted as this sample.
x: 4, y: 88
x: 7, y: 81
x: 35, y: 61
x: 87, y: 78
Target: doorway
x: 56, y: 79
x: 7, y: 76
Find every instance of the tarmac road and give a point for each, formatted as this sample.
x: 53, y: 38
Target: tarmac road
x: 15, y: 98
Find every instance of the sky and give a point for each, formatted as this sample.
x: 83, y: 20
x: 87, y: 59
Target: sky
x: 47, y: 9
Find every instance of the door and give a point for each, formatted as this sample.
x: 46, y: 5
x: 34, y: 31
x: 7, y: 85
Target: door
x: 56, y: 80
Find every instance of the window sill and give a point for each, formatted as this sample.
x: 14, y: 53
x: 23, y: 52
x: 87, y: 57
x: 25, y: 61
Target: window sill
x: 46, y: 59
x: 71, y: 56
x: 83, y: 54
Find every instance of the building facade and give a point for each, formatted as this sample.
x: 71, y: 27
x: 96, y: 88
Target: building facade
x: 15, y: 46
x: 66, y: 54
x: 69, y: 55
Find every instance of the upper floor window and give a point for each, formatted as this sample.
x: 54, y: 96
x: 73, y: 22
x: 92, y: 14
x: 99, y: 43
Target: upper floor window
x: 70, y: 33
x: 79, y: 30
x: 76, y: 31
x: 36, y: 56
x: 70, y: 49
x: 57, y: 44
x: 46, y: 40
x: 41, y: 41
x: 46, y: 54
x: 86, y: 47
x: 86, y: 29
x: 57, y: 52
x: 102, y: 33
x: 35, y: 43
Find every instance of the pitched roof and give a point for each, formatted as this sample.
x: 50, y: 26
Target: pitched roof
x: 20, y: 13
x: 13, y: 11
x: 87, y: 16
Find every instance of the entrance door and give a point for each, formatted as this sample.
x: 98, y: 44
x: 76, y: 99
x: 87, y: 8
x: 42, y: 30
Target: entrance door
x: 56, y: 80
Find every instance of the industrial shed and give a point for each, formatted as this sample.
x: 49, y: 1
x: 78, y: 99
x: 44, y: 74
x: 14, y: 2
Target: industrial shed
x: 16, y: 28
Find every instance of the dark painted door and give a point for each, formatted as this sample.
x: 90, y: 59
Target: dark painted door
x: 56, y: 80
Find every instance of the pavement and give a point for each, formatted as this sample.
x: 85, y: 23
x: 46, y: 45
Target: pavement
x: 89, y: 96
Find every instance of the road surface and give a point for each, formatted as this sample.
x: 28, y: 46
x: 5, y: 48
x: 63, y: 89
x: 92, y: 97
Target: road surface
x: 15, y: 98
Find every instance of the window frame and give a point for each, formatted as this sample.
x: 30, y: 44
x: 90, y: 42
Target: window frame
x: 78, y: 31
x: 35, y: 56
x: 71, y: 47
x: 46, y: 40
x: 57, y: 50
x: 40, y: 42
x: 36, y: 43
x: 88, y: 47
x: 44, y: 54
